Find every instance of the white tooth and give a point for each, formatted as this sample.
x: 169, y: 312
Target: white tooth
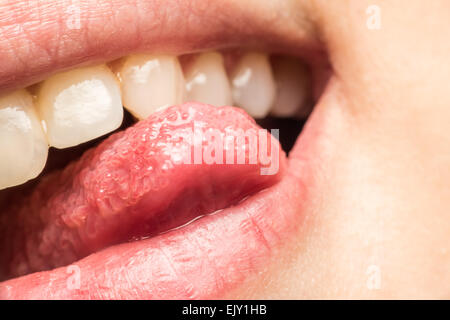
x: 23, y: 146
x: 80, y: 105
x: 293, y: 88
x: 207, y: 81
x: 150, y: 82
x: 253, y: 85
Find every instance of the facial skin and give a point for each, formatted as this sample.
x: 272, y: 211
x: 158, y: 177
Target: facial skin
x: 378, y: 222
x: 381, y: 204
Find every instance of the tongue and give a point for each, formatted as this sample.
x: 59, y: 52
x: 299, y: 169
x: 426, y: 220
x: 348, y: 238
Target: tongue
x: 135, y: 185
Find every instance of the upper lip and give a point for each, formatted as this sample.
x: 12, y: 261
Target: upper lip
x: 36, y: 39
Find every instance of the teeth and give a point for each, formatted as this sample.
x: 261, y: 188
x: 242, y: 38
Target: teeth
x: 293, y: 88
x: 151, y: 82
x: 23, y: 145
x: 253, y: 86
x: 80, y: 105
x: 207, y: 81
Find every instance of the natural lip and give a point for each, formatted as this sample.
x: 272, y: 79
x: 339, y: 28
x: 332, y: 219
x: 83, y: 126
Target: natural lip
x: 32, y: 49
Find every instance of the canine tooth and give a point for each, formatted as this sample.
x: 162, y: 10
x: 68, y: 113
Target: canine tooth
x: 80, y: 105
x: 253, y: 86
x: 23, y: 146
x: 150, y: 82
x: 207, y: 81
x: 293, y: 88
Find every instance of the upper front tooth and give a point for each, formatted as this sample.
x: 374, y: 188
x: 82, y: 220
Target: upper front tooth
x: 80, y: 105
x: 253, y: 85
x: 24, y: 148
x: 150, y: 82
x: 207, y: 81
x: 293, y: 88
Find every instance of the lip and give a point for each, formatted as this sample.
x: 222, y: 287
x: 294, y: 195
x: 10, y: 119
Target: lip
x: 37, y: 41
x: 214, y: 254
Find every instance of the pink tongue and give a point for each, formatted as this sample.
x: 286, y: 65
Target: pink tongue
x: 130, y: 187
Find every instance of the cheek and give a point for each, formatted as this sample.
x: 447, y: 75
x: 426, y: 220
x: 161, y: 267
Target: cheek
x: 378, y: 192
x: 368, y: 191
x: 378, y: 178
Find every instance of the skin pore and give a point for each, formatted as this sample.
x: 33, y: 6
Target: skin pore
x: 378, y: 206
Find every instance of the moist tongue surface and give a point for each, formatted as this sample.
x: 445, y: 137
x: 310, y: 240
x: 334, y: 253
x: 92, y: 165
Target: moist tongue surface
x: 127, y: 188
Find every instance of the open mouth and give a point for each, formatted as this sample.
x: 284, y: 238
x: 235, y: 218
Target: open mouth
x: 109, y: 204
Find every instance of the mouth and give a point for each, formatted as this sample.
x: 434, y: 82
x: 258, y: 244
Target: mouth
x: 102, y: 201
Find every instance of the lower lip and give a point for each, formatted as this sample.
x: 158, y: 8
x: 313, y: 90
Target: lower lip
x: 202, y: 260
